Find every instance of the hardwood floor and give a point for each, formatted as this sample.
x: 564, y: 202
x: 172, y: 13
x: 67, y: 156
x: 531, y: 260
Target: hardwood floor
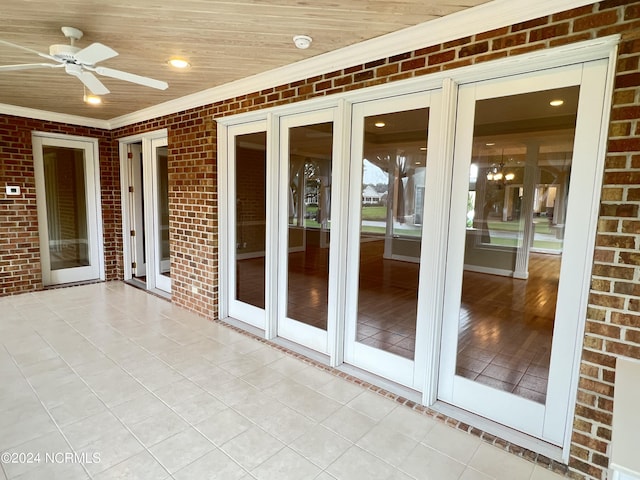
x: 505, y: 328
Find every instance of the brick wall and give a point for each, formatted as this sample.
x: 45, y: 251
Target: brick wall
x: 613, y: 326
x: 193, y: 218
x: 19, y: 241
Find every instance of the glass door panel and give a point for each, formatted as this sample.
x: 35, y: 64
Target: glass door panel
x: 247, y: 232
x: 507, y: 341
x: 389, y: 164
x: 162, y: 253
x: 66, y: 196
x: 307, y: 150
x: 309, y: 222
x: 67, y: 209
x: 250, y: 217
x: 509, y: 292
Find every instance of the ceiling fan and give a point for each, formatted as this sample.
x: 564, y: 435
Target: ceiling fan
x: 81, y: 63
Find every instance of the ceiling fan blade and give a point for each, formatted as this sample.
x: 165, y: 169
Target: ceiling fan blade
x: 26, y: 49
x: 130, y: 77
x: 89, y: 79
x: 29, y: 66
x: 94, y: 53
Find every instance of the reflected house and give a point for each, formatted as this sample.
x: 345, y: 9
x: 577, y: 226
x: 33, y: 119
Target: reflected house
x: 370, y: 196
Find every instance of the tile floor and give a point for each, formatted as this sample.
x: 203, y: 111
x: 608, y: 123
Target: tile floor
x: 105, y: 381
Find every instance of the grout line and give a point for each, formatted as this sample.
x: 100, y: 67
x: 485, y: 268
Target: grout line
x: 289, y: 353
x: 529, y: 455
x: 43, y: 406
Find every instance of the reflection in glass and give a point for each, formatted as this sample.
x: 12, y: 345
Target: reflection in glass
x: 163, y: 210
x: 393, y: 179
x: 516, y: 209
x: 250, y: 158
x: 309, y: 224
x: 64, y: 173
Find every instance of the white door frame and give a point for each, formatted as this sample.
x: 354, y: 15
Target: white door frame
x: 548, y: 421
x: 96, y: 269
x: 148, y: 140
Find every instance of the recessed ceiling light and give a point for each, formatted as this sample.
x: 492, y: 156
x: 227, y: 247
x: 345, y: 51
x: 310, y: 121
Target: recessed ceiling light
x: 92, y: 99
x: 423, y: 149
x: 556, y: 103
x: 379, y: 124
x: 179, y: 63
x: 302, y: 41
x: 490, y: 144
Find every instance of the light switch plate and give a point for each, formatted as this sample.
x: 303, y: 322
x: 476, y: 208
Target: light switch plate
x: 13, y: 190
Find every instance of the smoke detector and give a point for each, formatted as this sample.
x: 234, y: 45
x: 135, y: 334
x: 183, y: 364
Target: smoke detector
x: 302, y: 41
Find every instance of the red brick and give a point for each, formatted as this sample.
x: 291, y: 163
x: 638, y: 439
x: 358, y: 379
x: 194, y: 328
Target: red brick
x: 530, y: 24
x: 441, y: 57
x: 473, y: 49
x: 626, y: 319
x: 550, y: 31
x: 509, y: 41
x: 595, y: 20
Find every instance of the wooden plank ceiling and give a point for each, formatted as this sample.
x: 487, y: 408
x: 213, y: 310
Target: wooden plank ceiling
x: 223, y: 40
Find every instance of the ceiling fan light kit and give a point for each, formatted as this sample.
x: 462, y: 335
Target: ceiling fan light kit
x: 81, y: 63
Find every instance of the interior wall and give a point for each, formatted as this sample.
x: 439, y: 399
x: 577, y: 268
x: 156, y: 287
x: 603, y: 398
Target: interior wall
x: 613, y: 323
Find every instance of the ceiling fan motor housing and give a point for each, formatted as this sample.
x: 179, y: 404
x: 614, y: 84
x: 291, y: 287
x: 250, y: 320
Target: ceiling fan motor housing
x: 63, y: 52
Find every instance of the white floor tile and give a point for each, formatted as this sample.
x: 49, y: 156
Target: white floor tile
x: 199, y: 407
x: 454, y: 443
x: 426, y: 463
x: 88, y: 430
x: 472, y: 474
x: 286, y: 425
x: 340, y: 390
x: 410, y: 423
x: 33, y: 454
x: 178, y: 392
x: 320, y: 446
x: 349, y: 423
x: 223, y: 426
x: 252, y: 447
x: 181, y: 449
x: 499, y: 464
x: 286, y: 465
x: 55, y: 471
x: 138, y: 467
x: 540, y: 473
x: 388, y: 444
x: 357, y: 463
x: 111, y: 449
x: 372, y: 405
x: 215, y: 465
x: 159, y: 427
x: 203, y: 402
x: 138, y: 408
x: 263, y: 378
